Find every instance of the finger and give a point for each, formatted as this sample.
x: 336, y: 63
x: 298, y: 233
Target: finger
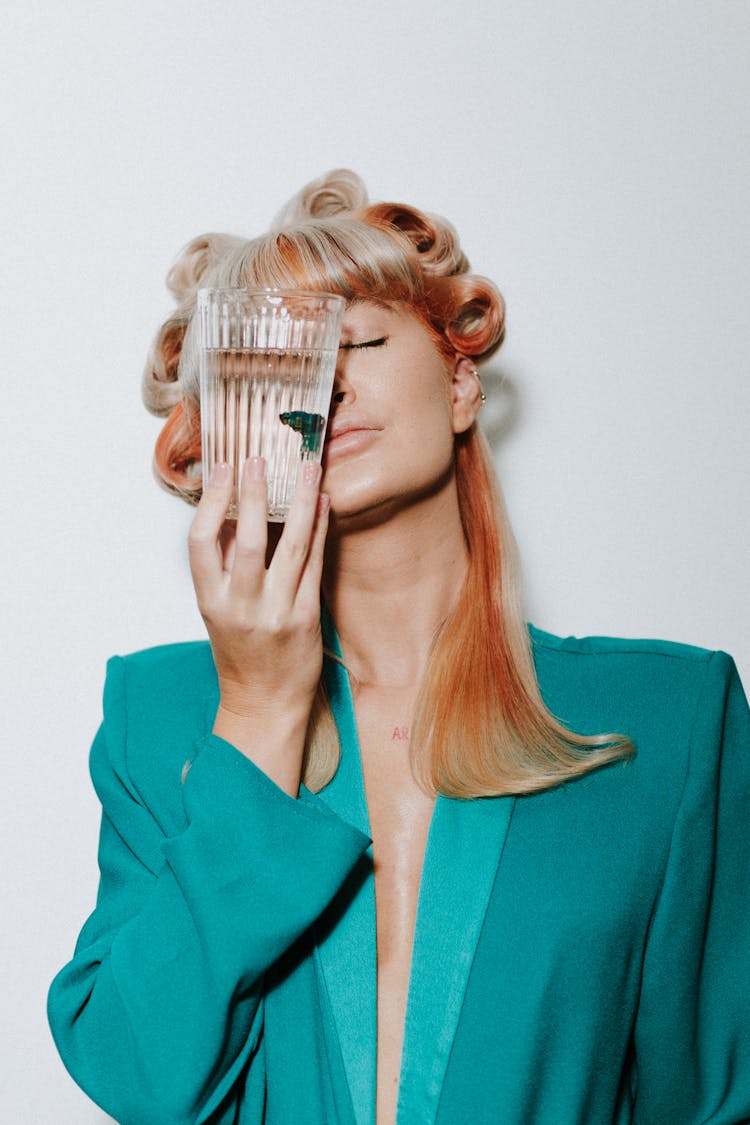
x: 291, y: 554
x: 204, y: 548
x: 249, y: 560
x: 308, y: 591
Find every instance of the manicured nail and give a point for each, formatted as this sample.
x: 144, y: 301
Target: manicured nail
x: 221, y: 472
x: 311, y: 474
x: 255, y: 467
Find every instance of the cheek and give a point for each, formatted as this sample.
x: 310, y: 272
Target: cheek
x: 426, y: 437
x: 427, y: 409
x: 422, y: 383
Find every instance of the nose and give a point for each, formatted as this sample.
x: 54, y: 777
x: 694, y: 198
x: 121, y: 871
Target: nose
x: 342, y: 388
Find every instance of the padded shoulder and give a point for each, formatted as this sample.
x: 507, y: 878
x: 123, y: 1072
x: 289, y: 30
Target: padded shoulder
x: 170, y: 661
x: 617, y: 646
x: 646, y: 689
x: 164, y: 700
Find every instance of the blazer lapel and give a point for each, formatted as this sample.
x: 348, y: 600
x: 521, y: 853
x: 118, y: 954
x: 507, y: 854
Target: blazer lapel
x: 346, y: 953
x: 464, y: 847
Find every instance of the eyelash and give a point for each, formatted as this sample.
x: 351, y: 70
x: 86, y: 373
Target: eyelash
x: 365, y: 344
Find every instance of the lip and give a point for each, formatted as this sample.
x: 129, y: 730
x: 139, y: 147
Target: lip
x: 344, y: 423
x: 346, y: 435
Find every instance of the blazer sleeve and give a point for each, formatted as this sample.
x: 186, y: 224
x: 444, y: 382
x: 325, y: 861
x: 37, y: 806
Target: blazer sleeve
x: 692, y: 1035
x: 160, y: 1009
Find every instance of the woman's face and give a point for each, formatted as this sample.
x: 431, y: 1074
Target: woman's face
x: 397, y: 405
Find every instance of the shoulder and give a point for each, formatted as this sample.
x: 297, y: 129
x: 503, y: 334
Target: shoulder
x: 620, y: 660
x: 167, y: 686
x: 634, y: 686
x: 617, y: 647
x: 681, y: 706
x: 164, y: 672
x: 170, y: 687
x: 159, y: 703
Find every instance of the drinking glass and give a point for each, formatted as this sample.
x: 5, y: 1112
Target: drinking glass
x: 267, y: 364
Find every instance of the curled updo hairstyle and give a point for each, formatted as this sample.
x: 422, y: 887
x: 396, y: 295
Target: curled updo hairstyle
x: 480, y: 725
x: 328, y: 238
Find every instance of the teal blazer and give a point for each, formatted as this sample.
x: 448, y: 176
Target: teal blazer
x: 581, y: 957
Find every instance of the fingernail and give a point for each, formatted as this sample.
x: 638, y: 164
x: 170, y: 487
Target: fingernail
x: 311, y: 474
x: 255, y: 467
x: 220, y: 474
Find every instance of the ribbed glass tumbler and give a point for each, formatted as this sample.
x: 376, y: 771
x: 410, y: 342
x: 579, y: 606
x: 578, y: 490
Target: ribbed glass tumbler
x: 267, y: 364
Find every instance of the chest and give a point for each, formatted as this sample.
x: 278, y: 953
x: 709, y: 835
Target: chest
x: 399, y: 812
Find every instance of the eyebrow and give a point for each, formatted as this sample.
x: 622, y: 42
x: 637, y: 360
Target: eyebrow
x: 352, y: 303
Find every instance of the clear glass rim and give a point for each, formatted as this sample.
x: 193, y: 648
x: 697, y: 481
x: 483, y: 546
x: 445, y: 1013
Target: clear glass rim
x: 271, y: 291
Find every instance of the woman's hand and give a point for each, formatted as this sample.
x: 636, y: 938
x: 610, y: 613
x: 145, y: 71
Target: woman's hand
x: 263, y: 624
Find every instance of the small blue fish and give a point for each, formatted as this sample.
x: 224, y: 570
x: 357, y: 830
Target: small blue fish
x: 311, y: 427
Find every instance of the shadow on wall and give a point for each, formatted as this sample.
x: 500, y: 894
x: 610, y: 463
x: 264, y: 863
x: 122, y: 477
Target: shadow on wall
x: 501, y: 413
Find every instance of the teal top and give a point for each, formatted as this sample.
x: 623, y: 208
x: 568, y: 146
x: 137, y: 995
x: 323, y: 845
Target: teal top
x: 581, y: 956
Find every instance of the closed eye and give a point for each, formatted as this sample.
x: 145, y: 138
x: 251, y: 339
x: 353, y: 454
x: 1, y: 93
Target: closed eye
x: 365, y: 344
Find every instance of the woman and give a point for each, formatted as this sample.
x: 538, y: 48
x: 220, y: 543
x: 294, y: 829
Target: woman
x: 467, y: 911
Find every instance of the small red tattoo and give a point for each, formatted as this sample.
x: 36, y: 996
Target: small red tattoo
x: 400, y: 734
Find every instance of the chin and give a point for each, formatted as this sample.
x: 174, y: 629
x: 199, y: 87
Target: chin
x: 358, y: 513
x: 350, y: 511
x: 351, y: 492
x: 368, y: 498
x: 360, y: 505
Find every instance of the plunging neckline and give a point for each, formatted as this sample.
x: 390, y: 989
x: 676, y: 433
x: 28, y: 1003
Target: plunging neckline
x: 464, y: 845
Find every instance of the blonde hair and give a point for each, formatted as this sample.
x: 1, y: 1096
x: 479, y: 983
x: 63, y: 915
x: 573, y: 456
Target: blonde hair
x: 481, y: 727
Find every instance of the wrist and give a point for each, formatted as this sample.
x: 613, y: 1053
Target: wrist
x: 273, y: 739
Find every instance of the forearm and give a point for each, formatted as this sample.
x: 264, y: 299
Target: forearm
x: 153, y: 1017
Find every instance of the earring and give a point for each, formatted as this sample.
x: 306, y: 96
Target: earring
x: 475, y: 372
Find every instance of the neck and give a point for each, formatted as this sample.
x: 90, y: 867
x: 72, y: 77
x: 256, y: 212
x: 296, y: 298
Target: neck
x: 390, y: 586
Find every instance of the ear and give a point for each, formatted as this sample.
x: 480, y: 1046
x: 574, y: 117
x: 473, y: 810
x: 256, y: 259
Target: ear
x: 466, y: 394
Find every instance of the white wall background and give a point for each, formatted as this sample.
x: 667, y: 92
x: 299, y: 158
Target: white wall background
x: 594, y: 156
